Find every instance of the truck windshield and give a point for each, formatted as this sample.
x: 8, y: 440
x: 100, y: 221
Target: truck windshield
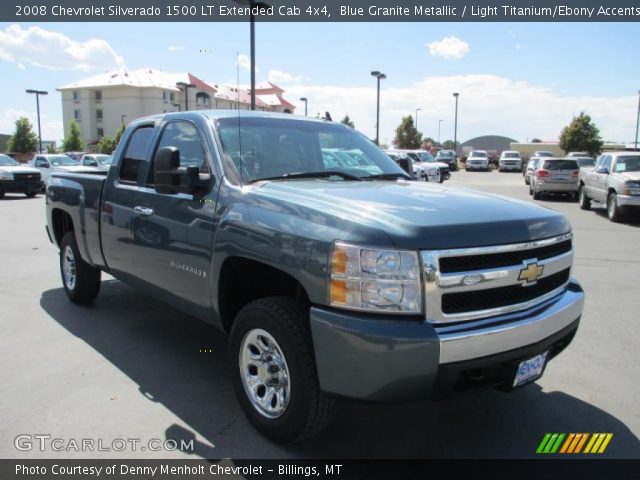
x: 628, y: 164
x: 7, y: 161
x: 257, y: 148
x: 62, y: 161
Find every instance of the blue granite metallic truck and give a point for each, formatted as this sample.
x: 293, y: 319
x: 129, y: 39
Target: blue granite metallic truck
x: 332, y: 279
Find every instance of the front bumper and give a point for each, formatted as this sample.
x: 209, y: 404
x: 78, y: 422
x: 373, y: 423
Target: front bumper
x: 506, y: 166
x: 476, y: 166
x: 628, y: 200
x: 21, y: 186
x: 386, y: 358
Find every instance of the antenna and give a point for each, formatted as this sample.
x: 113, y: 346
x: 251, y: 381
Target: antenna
x: 239, y: 132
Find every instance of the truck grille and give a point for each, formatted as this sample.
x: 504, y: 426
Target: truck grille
x: 473, y: 283
x: 27, y: 177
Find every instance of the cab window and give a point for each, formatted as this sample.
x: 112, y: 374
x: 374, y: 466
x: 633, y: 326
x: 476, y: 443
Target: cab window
x: 135, y: 154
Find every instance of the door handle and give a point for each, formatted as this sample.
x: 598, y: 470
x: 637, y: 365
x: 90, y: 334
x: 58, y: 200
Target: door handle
x: 143, y: 211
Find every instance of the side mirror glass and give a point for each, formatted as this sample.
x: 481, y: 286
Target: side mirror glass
x: 604, y: 170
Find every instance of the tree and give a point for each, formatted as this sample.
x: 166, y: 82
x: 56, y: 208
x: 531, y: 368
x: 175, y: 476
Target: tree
x: 107, y: 144
x: 536, y: 140
x: 24, y: 140
x: 448, y: 145
x: 73, y: 142
x: 407, y: 135
x: 581, y: 135
x: 348, y: 122
x: 51, y: 148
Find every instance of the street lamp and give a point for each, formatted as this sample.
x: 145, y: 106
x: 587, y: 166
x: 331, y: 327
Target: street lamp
x: 455, y: 126
x: 417, y: 110
x: 638, y: 120
x: 185, y: 86
x: 122, y: 117
x: 37, y: 94
x: 379, y: 76
x: 439, y: 124
x: 304, y: 99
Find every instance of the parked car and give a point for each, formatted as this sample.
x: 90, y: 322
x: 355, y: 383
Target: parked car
x: 532, y: 164
x: 613, y: 183
x: 585, y: 162
x: 405, y: 162
x: 449, y: 157
x: 577, y: 154
x: 75, y: 155
x: 477, y: 160
x: 429, y: 172
x: 543, y: 153
x: 330, y: 282
x: 17, y: 178
x: 48, y: 163
x: 556, y: 176
x: 510, y: 160
x: 100, y: 161
x: 425, y: 160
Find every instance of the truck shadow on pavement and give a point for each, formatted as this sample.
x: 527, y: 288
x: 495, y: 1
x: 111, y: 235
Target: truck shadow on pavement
x: 182, y: 364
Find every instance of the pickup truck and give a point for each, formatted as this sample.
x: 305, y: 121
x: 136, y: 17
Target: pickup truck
x: 613, y: 183
x: 330, y: 281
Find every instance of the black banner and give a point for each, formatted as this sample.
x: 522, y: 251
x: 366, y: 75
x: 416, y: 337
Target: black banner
x: 320, y: 11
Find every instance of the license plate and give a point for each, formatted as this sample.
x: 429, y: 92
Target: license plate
x: 561, y: 177
x: 530, y: 369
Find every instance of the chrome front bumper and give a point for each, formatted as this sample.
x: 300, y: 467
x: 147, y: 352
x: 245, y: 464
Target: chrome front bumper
x: 472, y: 340
x: 628, y: 200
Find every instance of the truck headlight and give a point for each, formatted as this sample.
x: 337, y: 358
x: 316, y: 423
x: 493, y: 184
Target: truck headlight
x: 631, y: 187
x: 6, y: 175
x: 372, y: 279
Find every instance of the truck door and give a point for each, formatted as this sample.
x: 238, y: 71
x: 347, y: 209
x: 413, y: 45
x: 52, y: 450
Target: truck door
x: 598, y: 179
x: 172, y: 234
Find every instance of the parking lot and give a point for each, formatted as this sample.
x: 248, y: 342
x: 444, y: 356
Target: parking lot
x: 130, y: 367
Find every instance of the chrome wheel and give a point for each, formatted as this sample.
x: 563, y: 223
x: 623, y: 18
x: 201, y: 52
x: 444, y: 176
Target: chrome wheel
x: 264, y: 373
x: 69, y: 268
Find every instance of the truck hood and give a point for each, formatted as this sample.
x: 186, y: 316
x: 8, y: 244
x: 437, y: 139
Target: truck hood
x: 427, y: 165
x: 74, y: 168
x: 414, y: 215
x: 18, y: 169
x: 629, y: 175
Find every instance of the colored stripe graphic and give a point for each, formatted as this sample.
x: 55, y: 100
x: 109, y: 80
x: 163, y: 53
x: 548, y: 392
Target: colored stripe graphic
x: 573, y: 443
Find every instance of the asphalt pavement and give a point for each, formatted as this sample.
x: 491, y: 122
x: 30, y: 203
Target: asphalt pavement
x: 130, y: 368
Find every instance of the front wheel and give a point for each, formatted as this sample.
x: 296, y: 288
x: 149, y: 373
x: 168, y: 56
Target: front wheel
x: 31, y: 194
x: 274, y: 370
x: 583, y: 200
x: 613, y: 210
x: 81, y: 281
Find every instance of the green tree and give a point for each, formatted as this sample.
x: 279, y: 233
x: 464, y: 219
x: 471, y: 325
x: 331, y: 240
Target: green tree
x: 107, y: 144
x: 51, y: 148
x: 347, y: 121
x: 536, y: 140
x: 448, y: 145
x: 581, y: 135
x: 407, y: 135
x: 23, y: 140
x: 73, y: 142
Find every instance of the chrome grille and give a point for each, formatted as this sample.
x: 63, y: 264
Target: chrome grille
x: 474, y: 283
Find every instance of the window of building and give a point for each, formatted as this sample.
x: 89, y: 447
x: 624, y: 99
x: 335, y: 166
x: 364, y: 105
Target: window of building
x: 98, y: 96
x: 203, y: 99
x: 99, y: 114
x: 165, y: 96
x: 76, y: 115
x: 172, y: 97
x: 75, y: 96
x: 100, y: 132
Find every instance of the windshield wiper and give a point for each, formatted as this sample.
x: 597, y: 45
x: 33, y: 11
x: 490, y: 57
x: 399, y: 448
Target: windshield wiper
x: 387, y: 176
x: 319, y: 174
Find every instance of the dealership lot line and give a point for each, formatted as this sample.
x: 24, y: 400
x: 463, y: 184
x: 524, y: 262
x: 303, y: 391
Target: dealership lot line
x: 129, y: 367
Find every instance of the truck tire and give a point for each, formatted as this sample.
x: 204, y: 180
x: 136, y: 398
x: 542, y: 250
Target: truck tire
x: 1, y: 192
x: 537, y: 195
x: 583, y: 200
x: 81, y: 281
x: 31, y: 194
x: 274, y: 370
x: 614, y: 212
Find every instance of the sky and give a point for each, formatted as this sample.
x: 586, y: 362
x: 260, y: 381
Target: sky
x: 520, y: 80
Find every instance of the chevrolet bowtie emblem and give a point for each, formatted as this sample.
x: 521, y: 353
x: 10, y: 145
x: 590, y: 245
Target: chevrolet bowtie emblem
x: 530, y: 273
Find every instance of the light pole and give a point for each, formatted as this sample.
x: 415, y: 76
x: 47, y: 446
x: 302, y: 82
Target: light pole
x: 417, y: 110
x: 304, y: 99
x: 122, y: 117
x: 638, y: 120
x: 439, y: 124
x: 37, y: 94
x: 379, y: 76
x: 185, y: 87
x: 455, y: 126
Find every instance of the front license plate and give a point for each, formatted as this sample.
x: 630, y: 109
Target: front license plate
x: 530, y: 369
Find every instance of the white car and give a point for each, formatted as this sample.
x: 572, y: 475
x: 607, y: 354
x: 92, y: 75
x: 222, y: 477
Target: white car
x: 510, y: 160
x: 421, y: 169
x: 16, y: 178
x: 477, y: 160
x: 99, y: 161
x: 47, y: 163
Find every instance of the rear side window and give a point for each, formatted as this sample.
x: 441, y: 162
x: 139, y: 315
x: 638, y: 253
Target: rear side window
x: 560, y: 165
x: 135, y: 155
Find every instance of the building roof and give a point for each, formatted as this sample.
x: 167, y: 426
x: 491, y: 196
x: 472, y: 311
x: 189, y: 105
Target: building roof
x: 229, y: 92
x: 142, y: 78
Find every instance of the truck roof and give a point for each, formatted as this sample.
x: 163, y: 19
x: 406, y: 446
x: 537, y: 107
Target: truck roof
x: 215, y: 114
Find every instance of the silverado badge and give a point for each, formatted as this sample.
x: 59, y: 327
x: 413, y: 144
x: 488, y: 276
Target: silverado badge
x: 530, y: 273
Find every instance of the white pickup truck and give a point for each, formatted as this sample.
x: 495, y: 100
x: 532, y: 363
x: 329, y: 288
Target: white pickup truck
x: 613, y: 183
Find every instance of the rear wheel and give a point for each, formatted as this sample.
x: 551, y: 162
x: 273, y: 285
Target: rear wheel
x: 613, y: 210
x: 537, y: 195
x: 583, y: 200
x: 1, y: 192
x: 274, y: 370
x: 81, y: 281
x: 30, y: 194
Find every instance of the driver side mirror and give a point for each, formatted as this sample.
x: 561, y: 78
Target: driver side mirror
x: 91, y: 163
x: 604, y: 170
x: 171, y: 178
x: 45, y: 165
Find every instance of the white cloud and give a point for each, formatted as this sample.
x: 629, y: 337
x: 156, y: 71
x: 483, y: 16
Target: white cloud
x: 280, y: 77
x: 55, y: 51
x: 488, y: 105
x: 244, y: 62
x: 175, y: 48
x: 449, y: 48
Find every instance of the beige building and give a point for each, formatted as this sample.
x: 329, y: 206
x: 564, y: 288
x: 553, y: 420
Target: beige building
x: 101, y: 104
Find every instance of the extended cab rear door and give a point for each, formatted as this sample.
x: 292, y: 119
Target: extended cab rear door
x: 597, y: 182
